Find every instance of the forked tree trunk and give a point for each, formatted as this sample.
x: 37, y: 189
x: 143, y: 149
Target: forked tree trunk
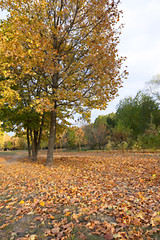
x: 36, y: 140
x: 52, y: 137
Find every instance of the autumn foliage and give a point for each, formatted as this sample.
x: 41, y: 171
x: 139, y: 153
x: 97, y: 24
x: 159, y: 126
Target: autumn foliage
x: 61, y: 58
x: 82, y: 196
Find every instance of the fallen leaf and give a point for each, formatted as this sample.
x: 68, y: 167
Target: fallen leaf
x: 55, y: 230
x: 42, y: 203
x: 32, y: 237
x: 68, y: 213
x: 108, y: 236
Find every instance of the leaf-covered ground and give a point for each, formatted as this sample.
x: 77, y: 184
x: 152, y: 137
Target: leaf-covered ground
x: 83, y: 196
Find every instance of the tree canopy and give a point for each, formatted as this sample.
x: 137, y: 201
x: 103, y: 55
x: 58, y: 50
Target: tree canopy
x: 63, y: 53
x: 137, y: 113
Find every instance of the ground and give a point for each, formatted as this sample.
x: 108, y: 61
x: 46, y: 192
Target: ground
x: 82, y: 196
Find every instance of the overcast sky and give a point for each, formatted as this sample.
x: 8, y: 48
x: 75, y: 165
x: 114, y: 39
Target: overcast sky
x: 140, y: 43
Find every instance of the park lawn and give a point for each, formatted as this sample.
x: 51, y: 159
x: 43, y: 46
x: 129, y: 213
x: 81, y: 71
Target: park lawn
x: 82, y: 196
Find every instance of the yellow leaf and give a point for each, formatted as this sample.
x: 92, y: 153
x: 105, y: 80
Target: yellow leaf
x: 21, y: 202
x: 41, y: 204
x: 29, y: 51
x: 156, y: 218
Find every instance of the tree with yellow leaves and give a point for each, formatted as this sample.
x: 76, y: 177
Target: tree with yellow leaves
x: 79, y: 137
x: 68, y: 50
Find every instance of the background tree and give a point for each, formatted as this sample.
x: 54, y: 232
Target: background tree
x: 61, y: 135
x: 68, y: 49
x: 5, y: 140
x: 104, y: 129
x: 154, y: 87
x: 108, y: 120
x: 89, y: 135
x: 120, y: 136
x: 99, y: 133
x: 1, y: 138
x: 150, y: 139
x: 79, y: 137
x: 137, y: 113
x: 71, y: 132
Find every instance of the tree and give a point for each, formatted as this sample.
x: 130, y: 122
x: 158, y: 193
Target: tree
x: 103, y: 127
x: 121, y: 134
x: 68, y: 49
x: 79, y: 137
x: 71, y: 136
x: 7, y: 143
x: 1, y: 137
x: 19, y: 143
x: 150, y: 139
x: 99, y: 133
x: 137, y: 113
x: 108, y: 120
x: 61, y: 135
x: 19, y: 115
x: 89, y: 135
x: 154, y: 87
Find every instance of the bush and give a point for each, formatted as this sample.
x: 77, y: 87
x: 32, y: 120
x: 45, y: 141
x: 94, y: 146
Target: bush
x: 109, y: 146
x: 122, y: 146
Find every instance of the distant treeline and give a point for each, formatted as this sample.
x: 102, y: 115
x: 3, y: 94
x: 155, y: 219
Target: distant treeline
x: 135, y: 125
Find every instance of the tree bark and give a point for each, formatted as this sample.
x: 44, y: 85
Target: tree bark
x: 34, y: 145
x: 52, y: 134
x: 52, y: 137
x: 28, y: 143
x: 79, y: 147
x: 36, y: 140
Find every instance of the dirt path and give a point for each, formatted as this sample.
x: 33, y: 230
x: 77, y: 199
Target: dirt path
x: 14, y: 158
x: 10, y: 158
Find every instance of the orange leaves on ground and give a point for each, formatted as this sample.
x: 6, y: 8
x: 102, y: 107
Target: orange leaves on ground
x: 113, y: 196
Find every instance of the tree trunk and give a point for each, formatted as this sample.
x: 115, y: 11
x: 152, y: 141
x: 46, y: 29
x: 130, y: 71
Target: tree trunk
x: 52, y: 136
x: 36, y: 141
x: 34, y: 146
x: 60, y: 143
x: 28, y: 143
x: 79, y: 147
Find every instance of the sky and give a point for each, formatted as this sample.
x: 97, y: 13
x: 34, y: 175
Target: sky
x: 140, y: 43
